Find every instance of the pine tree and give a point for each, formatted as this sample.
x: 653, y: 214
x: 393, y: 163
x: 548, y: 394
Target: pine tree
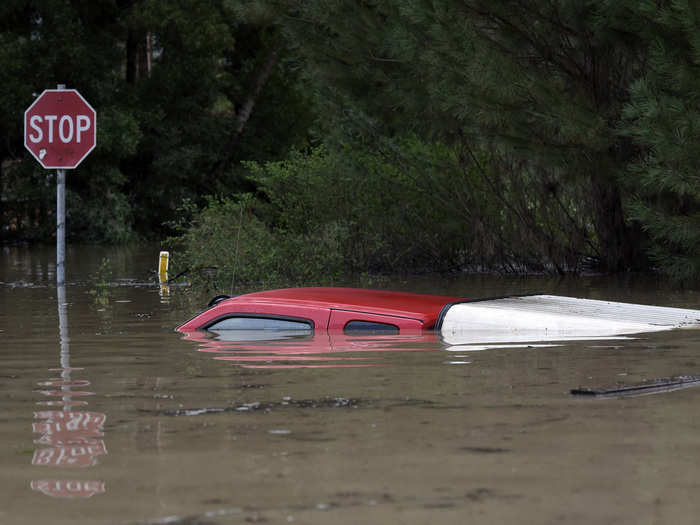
x: 539, y: 84
x: 663, y: 116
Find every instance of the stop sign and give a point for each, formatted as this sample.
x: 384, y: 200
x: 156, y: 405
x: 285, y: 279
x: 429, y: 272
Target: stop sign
x: 60, y: 128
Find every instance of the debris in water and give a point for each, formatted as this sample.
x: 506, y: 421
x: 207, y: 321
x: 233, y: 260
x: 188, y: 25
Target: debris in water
x: 649, y: 387
x: 163, y: 396
x: 325, y: 402
x: 192, y: 412
x: 485, y: 450
x: 195, y: 519
x: 249, y: 406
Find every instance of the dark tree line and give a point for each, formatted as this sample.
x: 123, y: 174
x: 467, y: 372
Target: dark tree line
x: 184, y: 91
x: 546, y: 135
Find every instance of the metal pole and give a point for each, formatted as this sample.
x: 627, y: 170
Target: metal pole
x: 61, y: 222
x: 65, y: 348
x: 60, y: 227
x: 61, y: 278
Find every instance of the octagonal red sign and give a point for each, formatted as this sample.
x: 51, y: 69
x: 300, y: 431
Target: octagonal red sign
x: 60, y: 128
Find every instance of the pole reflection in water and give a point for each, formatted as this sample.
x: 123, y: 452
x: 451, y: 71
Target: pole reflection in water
x: 164, y: 293
x: 69, y: 438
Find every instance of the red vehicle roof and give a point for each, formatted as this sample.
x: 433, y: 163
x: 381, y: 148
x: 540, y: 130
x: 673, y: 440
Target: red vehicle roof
x: 330, y: 308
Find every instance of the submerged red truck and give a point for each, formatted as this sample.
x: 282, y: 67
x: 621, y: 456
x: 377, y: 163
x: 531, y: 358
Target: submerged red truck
x: 314, y: 309
x: 352, y: 310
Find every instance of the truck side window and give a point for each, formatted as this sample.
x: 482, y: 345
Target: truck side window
x: 260, y: 323
x: 370, y: 327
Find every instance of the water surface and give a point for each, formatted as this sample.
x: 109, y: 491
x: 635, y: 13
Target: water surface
x: 109, y: 416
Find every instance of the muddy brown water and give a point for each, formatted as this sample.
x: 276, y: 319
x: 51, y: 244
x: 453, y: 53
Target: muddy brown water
x: 109, y: 416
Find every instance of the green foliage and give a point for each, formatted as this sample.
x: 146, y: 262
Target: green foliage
x: 316, y: 221
x: 663, y: 116
x: 227, y: 247
x: 168, y: 115
x: 101, y: 283
x: 43, y: 43
x: 382, y: 220
x: 325, y: 216
x: 538, y: 85
x: 206, y: 63
x: 423, y: 135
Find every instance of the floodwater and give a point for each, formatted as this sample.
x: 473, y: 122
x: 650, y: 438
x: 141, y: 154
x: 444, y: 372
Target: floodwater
x: 109, y: 416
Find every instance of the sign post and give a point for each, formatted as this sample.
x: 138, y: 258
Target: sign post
x: 60, y: 226
x: 60, y: 130
x: 60, y: 223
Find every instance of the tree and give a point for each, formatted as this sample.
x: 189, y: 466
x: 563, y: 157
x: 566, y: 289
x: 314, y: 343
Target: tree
x: 542, y: 83
x: 212, y: 99
x: 43, y: 43
x: 663, y: 116
x: 172, y: 82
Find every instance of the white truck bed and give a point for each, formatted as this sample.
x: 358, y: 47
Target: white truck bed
x: 547, y: 317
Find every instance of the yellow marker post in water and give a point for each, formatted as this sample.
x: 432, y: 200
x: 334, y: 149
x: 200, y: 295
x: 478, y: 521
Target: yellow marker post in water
x: 163, y: 276
x: 163, y: 267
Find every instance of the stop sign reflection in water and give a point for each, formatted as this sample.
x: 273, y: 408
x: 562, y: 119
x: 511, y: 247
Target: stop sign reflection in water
x: 60, y: 128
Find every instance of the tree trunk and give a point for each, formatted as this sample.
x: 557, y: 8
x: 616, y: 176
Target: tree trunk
x: 246, y: 109
x: 260, y: 81
x: 2, y: 207
x: 131, y: 56
x: 620, y: 248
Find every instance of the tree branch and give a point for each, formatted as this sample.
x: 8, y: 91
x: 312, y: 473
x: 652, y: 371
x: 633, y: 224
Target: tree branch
x: 246, y: 110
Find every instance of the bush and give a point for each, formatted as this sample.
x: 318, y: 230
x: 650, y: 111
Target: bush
x: 226, y: 246
x: 324, y: 217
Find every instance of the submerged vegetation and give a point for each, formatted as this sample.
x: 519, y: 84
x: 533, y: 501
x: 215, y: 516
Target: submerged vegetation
x: 289, y: 142
x: 100, y: 283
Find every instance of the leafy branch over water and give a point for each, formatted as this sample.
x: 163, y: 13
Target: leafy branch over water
x: 100, y: 282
